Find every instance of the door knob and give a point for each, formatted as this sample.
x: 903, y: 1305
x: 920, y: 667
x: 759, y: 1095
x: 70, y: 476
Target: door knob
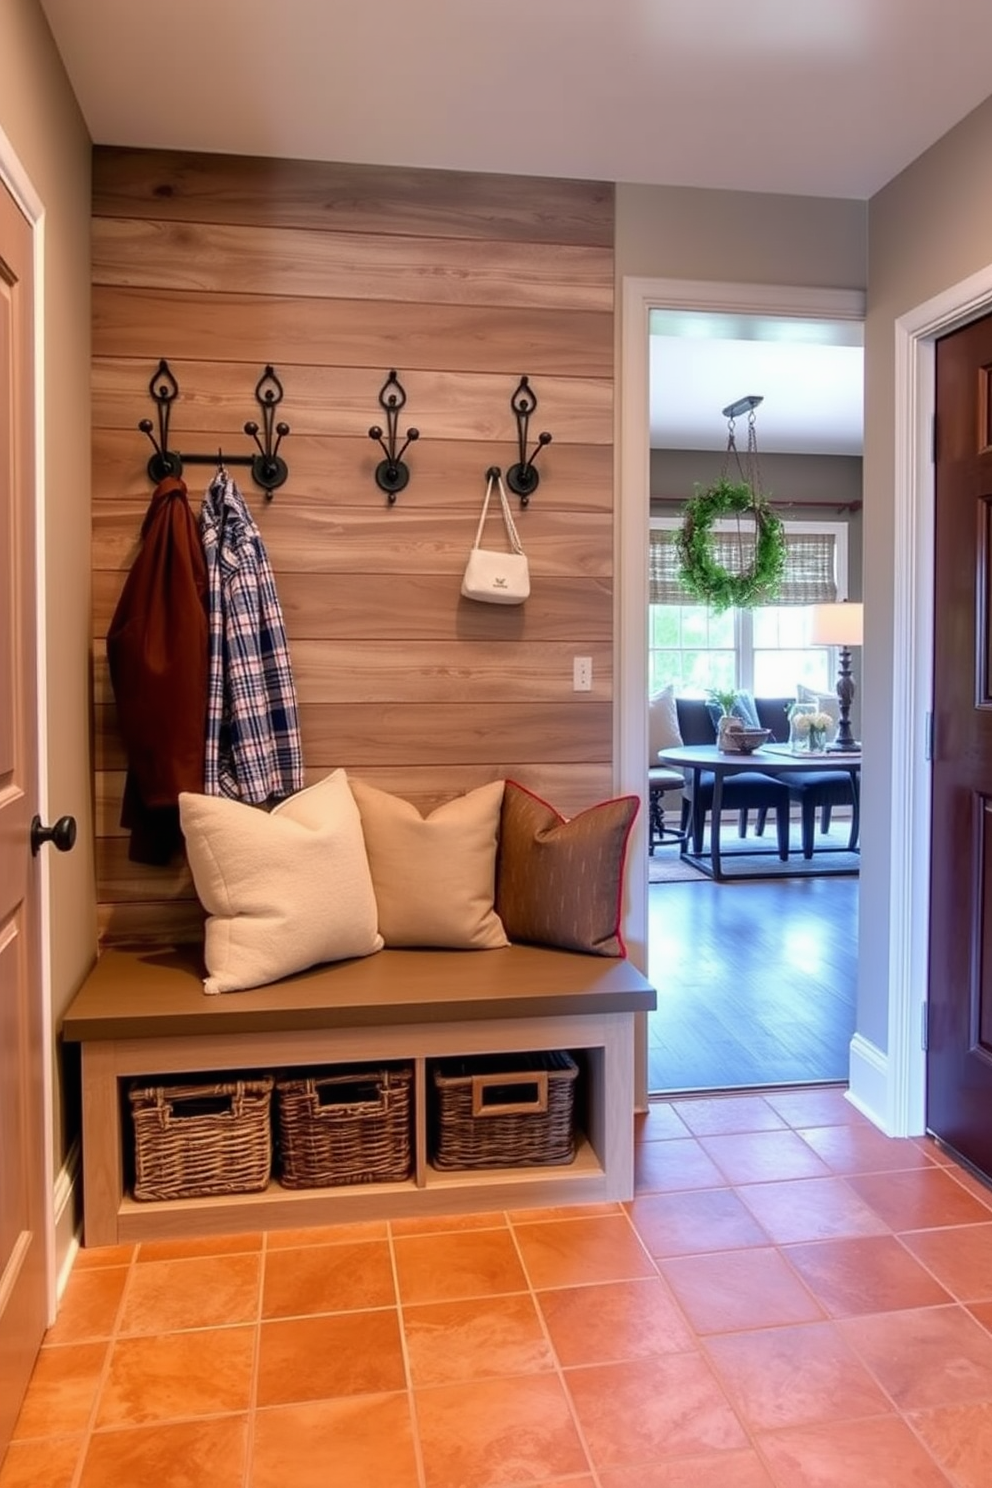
x: 62, y: 835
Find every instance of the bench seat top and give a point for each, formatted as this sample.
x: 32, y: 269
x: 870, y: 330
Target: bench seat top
x: 157, y: 991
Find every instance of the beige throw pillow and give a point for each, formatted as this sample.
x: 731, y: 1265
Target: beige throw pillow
x: 663, y: 723
x: 283, y: 890
x: 435, y: 876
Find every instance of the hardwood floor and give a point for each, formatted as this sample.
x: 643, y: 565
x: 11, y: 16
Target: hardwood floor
x: 756, y: 982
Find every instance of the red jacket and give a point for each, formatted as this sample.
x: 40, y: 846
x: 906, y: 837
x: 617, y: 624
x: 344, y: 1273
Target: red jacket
x: 157, y: 647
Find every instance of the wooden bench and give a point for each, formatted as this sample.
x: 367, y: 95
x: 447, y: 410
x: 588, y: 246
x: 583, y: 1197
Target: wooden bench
x: 142, y: 1013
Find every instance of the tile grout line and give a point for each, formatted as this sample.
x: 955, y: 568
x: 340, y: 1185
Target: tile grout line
x: 411, y: 1394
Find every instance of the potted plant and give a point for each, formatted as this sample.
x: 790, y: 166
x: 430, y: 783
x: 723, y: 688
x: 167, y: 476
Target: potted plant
x: 728, y: 723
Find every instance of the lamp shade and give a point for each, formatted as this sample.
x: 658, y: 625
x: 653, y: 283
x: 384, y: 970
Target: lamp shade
x: 837, y: 624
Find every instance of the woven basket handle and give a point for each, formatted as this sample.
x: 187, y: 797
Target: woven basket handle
x: 179, y: 1106
x: 328, y: 1101
x: 490, y: 1095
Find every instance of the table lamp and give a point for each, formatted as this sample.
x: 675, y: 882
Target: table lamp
x: 840, y: 625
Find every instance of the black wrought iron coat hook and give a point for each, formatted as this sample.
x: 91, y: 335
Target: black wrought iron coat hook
x: 523, y: 478
x: 391, y: 474
x: 268, y: 468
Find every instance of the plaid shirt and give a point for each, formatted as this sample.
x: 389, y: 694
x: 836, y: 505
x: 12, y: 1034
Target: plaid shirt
x: 253, y: 750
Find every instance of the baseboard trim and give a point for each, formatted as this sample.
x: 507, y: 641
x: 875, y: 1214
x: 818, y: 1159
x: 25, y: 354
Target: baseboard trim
x: 868, y: 1086
x: 68, y: 1209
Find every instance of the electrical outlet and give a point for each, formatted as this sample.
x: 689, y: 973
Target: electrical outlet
x: 582, y: 674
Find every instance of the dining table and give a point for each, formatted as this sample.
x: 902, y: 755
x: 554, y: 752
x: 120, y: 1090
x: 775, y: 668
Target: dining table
x: 775, y: 760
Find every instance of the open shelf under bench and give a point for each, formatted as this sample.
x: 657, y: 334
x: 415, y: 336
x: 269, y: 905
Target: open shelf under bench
x: 142, y: 1012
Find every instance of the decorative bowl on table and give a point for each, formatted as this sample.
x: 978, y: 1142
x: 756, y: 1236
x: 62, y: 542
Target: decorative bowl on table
x: 750, y: 739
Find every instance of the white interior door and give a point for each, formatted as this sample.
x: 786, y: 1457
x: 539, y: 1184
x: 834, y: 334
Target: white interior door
x: 23, y: 1238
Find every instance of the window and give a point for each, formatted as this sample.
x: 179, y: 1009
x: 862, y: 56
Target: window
x: 766, y: 650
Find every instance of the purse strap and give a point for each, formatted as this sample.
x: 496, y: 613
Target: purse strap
x: 508, y: 522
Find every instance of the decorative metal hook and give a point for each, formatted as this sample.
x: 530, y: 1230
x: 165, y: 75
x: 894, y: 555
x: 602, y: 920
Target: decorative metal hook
x: 391, y: 474
x: 268, y: 468
x: 164, y: 390
x: 522, y: 478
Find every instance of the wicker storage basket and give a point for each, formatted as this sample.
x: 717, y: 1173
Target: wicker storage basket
x: 504, y: 1110
x: 201, y: 1139
x: 349, y: 1125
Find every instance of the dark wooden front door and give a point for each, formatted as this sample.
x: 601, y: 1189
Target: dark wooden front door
x: 959, y: 1058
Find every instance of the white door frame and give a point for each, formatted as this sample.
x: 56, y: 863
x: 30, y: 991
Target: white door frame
x: 630, y: 742
x: 19, y: 184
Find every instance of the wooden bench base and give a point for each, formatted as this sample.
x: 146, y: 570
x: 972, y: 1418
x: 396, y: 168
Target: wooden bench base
x: 143, y: 1013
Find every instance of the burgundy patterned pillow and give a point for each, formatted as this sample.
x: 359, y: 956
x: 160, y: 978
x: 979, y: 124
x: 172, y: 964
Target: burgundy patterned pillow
x: 559, y: 882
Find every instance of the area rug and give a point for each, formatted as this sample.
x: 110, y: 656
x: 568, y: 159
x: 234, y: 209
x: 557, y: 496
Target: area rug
x: 755, y: 857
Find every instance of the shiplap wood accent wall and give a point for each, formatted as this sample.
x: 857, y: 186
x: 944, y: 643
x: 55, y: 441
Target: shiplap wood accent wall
x: 335, y: 274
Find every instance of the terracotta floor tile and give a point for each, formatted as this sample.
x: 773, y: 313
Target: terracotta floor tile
x: 200, y: 1454
x: 694, y: 1222
x: 708, y: 1117
x: 482, y: 1338
x: 62, y: 1390
x: 960, y: 1258
x: 346, y: 1353
x: 863, y: 1149
x: 621, y: 1320
x: 779, y: 1377
x: 328, y: 1278
x: 95, y: 1257
x: 712, y: 1470
x: 497, y: 1432
x: 878, y: 1453
x: 208, y: 1292
x: 935, y: 1151
x: 373, y: 1229
x: 764, y: 1157
x: 50, y: 1461
x: 925, y: 1358
x: 563, y: 1211
x: 827, y: 1106
x: 924, y: 1199
x: 89, y: 1306
x: 975, y: 1186
x: 572, y: 1252
x: 447, y: 1224
x: 199, y: 1245
x: 810, y: 1209
x: 871, y: 1274
x: 655, y: 1408
x: 356, y: 1442
x: 739, y: 1289
x: 176, y: 1376
x: 667, y: 1167
x: 447, y: 1267
x: 960, y: 1437
x: 659, y: 1123
x: 982, y: 1311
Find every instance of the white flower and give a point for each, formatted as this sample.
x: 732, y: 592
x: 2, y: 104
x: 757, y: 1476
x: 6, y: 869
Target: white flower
x: 804, y: 723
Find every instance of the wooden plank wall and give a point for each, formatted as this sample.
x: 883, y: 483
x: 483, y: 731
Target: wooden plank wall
x: 336, y: 274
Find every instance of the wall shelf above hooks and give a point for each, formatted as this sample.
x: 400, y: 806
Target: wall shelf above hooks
x: 268, y: 468
x: 523, y: 478
x: 391, y: 474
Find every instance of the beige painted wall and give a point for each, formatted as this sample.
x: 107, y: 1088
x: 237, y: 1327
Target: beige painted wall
x: 682, y: 232
x: 930, y: 228
x: 43, y: 126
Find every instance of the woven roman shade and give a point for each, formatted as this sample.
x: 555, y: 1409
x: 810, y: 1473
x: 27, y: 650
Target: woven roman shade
x: 809, y: 566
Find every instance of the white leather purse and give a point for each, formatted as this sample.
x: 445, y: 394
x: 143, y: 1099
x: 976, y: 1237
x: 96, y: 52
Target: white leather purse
x: 495, y: 577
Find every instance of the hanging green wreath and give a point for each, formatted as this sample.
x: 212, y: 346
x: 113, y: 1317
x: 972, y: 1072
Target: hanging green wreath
x: 699, y: 572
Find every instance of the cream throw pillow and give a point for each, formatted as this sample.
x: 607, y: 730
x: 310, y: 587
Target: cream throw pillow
x: 435, y: 876
x: 663, y: 723
x: 284, y: 889
x: 827, y: 703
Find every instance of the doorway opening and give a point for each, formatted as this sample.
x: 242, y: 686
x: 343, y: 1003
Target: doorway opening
x: 757, y: 978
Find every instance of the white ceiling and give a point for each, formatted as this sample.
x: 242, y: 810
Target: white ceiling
x: 811, y: 97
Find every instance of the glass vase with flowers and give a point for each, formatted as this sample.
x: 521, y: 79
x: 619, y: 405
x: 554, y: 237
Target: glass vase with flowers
x: 808, y: 728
